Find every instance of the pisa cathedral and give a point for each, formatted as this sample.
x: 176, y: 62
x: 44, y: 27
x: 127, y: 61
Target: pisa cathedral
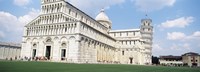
x: 64, y: 33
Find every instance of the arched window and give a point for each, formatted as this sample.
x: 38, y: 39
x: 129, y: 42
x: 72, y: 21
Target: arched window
x: 63, y: 44
x: 122, y: 52
x: 81, y: 17
x: 149, y: 29
x: 69, y: 11
x: 76, y: 15
x: 34, y: 45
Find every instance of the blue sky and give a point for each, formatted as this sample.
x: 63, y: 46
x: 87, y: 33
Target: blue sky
x: 176, y: 22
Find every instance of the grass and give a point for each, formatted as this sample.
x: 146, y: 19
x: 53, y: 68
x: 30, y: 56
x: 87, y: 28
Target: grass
x: 13, y: 66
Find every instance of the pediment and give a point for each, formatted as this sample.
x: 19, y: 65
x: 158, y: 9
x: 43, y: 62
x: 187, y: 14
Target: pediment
x: 51, y: 19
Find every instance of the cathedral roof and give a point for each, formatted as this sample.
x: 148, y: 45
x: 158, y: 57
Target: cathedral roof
x: 125, y: 30
x: 102, y: 16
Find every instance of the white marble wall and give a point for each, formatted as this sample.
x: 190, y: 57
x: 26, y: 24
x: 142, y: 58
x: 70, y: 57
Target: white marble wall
x: 8, y: 52
x: 87, y: 41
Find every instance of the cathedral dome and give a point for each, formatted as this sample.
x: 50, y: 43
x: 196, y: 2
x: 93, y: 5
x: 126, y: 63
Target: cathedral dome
x: 102, y: 16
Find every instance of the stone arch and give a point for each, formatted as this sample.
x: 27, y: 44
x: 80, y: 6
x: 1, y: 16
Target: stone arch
x: 34, y: 46
x: 28, y: 39
x: 52, y: 8
x: 55, y: 6
x: 48, y: 39
x: 72, y: 47
x: 72, y: 37
x: 71, y: 40
x: 63, y: 48
x: 63, y: 39
x: 47, y: 8
x: 56, y: 38
x: 34, y: 40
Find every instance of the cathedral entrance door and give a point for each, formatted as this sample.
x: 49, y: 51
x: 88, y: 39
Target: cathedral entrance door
x: 131, y: 60
x: 48, y: 52
x: 63, y: 54
x: 34, y: 53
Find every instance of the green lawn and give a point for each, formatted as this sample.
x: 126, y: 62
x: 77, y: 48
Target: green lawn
x: 13, y: 66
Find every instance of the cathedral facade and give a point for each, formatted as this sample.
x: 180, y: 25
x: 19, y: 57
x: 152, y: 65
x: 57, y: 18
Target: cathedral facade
x: 63, y: 33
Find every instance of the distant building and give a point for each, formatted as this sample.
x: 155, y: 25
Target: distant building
x: 191, y: 59
x: 171, y: 60
x: 9, y: 50
x: 188, y: 59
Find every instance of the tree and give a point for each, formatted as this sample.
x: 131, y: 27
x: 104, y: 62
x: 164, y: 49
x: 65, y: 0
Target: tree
x: 155, y: 60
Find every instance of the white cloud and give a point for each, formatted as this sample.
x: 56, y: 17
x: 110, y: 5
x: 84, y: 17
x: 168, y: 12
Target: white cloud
x: 174, y: 49
x: 14, y: 25
x: 178, y: 23
x: 28, y: 17
x: 198, y: 45
x: 151, y: 5
x: 196, y: 34
x: 183, y: 37
x: 184, y: 46
x: 157, y: 47
x: 184, y: 43
x: 21, y: 2
x: 8, y: 21
x: 181, y: 22
x: 94, y: 6
x: 175, y: 36
x: 2, y: 34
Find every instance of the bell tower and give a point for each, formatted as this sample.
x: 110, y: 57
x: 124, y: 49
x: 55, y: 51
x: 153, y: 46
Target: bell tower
x: 146, y: 30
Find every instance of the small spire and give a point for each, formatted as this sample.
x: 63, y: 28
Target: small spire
x: 102, y: 10
x: 146, y: 15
